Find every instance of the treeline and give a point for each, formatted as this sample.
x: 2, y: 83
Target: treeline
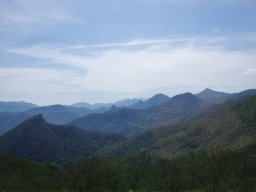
x: 223, y: 171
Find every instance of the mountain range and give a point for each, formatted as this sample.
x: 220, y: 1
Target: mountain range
x: 131, y: 122
x: 182, y: 124
x: 156, y: 100
x: 120, y: 103
x: 57, y: 114
x: 232, y: 127
x: 16, y: 106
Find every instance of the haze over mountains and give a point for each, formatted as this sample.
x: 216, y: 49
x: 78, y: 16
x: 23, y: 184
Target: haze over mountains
x: 170, y: 127
x: 120, y: 103
x: 16, y: 106
x: 131, y: 122
x: 153, y: 112
x: 57, y: 114
x: 232, y: 127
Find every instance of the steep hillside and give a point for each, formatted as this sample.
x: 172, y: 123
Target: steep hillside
x: 38, y: 140
x: 232, y: 127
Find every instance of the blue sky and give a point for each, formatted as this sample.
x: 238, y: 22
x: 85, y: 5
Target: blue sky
x: 66, y: 51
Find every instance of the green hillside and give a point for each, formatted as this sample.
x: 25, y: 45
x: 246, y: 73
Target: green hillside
x: 232, y: 127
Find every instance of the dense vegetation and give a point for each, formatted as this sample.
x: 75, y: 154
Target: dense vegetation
x: 224, y: 171
x: 230, y: 127
x: 37, y: 140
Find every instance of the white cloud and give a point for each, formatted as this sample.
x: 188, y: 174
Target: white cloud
x: 250, y: 71
x: 116, y: 72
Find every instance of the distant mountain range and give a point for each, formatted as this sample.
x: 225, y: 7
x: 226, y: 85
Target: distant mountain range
x: 132, y: 122
x: 16, y: 106
x: 57, y: 114
x: 40, y: 141
x: 120, y: 103
x: 156, y: 100
x: 179, y: 125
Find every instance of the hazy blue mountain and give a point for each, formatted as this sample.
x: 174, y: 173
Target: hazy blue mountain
x: 155, y: 116
x: 131, y: 122
x: 9, y: 120
x: 40, y: 141
x: 242, y: 95
x: 209, y: 94
x: 156, y: 100
x: 57, y: 114
x: 126, y: 102
x: 92, y: 106
x: 15, y: 106
x: 120, y: 103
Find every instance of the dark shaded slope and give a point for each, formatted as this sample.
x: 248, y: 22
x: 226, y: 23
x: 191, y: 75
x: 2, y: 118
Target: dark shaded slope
x: 40, y: 141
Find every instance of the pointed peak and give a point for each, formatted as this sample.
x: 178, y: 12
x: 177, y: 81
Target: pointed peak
x: 209, y: 94
x: 208, y: 90
x: 37, y: 118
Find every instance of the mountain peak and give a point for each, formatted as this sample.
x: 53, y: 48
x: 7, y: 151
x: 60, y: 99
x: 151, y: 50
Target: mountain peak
x: 36, y: 119
x: 209, y: 94
x: 184, y: 95
x: 156, y: 100
x: 160, y: 95
x: 208, y: 89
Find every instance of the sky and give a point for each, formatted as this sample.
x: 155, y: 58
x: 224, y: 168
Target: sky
x: 67, y: 51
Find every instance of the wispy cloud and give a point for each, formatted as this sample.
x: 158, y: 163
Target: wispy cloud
x: 250, y: 71
x: 29, y: 12
x: 162, y: 65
